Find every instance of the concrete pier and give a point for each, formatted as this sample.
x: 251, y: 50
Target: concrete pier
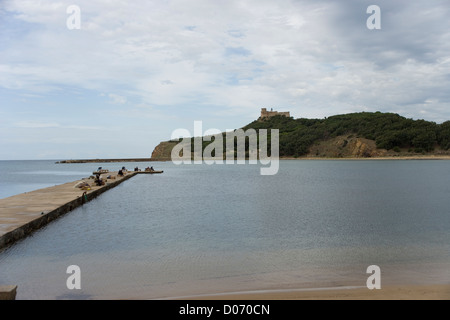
x: 8, y: 292
x: 22, y: 214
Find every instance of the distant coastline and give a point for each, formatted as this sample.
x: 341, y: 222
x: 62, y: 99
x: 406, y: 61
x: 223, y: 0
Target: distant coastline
x: 111, y: 160
x: 412, y: 157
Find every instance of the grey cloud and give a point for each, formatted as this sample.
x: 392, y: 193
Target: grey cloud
x: 417, y: 30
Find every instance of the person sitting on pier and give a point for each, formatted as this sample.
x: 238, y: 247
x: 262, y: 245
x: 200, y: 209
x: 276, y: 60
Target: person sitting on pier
x: 120, y: 173
x: 136, y: 169
x: 151, y: 169
x: 99, y: 180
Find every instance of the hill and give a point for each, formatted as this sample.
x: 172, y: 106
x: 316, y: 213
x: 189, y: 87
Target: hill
x: 355, y: 135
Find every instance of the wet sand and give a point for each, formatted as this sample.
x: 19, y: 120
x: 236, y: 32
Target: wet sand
x: 417, y: 281
x: 412, y: 292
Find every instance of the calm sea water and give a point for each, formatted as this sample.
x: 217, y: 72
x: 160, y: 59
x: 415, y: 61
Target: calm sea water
x: 28, y: 175
x: 199, y: 229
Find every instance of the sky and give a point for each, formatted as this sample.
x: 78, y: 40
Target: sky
x: 132, y: 72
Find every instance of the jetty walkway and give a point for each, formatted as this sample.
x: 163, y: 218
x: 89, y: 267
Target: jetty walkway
x: 22, y: 214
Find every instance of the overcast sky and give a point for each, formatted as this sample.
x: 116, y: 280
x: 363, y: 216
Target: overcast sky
x: 137, y: 70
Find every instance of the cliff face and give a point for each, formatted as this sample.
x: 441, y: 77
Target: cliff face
x: 340, y: 147
x: 346, y: 146
x: 163, y: 150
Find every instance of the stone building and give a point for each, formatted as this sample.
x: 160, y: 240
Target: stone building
x: 271, y: 113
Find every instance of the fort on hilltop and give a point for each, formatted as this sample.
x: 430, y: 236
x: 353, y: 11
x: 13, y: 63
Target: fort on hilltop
x: 271, y: 113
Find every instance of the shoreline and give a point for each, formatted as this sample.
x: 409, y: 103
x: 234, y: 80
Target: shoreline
x: 389, y: 292
x: 426, y: 157
x: 416, y: 281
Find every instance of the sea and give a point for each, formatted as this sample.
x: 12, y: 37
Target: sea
x: 201, y: 229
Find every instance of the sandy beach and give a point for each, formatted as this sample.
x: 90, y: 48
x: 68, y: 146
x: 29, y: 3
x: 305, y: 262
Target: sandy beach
x: 405, y: 292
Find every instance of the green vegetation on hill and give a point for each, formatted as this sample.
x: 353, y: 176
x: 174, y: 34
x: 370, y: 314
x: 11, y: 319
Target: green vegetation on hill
x: 364, y: 134
x: 388, y: 130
